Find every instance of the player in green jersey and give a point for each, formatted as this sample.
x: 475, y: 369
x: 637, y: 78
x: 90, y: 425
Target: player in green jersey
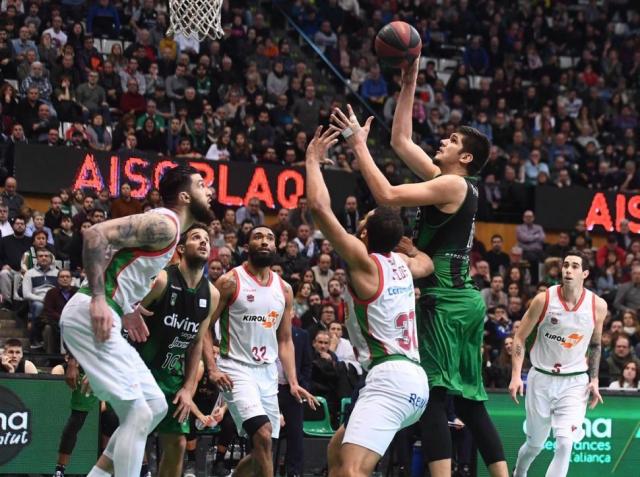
x: 451, y: 312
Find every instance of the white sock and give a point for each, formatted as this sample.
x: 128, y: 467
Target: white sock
x: 561, y: 458
x: 526, y: 455
x: 128, y: 449
x: 98, y: 472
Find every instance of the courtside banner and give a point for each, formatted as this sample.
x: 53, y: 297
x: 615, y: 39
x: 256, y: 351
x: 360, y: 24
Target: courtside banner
x: 560, y: 209
x: 611, y: 444
x: 33, y: 413
x: 45, y: 170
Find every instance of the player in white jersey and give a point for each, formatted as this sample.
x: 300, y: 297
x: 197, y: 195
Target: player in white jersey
x: 255, y: 311
x: 381, y: 324
x: 565, y: 358
x: 121, y: 259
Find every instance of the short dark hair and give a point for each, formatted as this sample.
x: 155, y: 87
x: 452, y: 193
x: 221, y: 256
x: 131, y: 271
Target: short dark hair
x: 498, y: 236
x: 476, y: 144
x: 577, y: 253
x: 259, y: 227
x: 174, y: 181
x: 40, y: 232
x: 384, y: 230
x: 185, y: 234
x: 13, y: 342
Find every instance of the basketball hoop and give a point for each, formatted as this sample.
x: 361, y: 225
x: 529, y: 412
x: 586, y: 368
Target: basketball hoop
x: 196, y: 19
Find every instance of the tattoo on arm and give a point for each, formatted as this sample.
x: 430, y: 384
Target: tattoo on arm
x: 593, y: 356
x: 93, y: 258
x: 518, y: 350
x: 153, y: 229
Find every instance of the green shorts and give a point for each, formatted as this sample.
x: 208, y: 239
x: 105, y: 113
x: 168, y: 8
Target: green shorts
x: 170, y: 385
x: 450, y: 333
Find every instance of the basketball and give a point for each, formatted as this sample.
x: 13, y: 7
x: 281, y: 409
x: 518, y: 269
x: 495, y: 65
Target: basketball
x: 398, y: 44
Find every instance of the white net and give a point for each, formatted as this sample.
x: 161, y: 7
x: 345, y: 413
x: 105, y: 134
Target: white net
x: 197, y: 19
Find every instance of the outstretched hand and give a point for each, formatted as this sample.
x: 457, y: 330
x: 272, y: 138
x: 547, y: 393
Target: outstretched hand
x: 320, y: 144
x: 410, y: 74
x: 349, y: 127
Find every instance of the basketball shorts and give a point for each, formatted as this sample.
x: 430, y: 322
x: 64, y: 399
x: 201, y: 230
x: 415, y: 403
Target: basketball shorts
x: 555, y: 402
x: 114, y: 367
x: 170, y: 385
x: 254, y: 393
x: 450, y: 332
x: 394, y: 397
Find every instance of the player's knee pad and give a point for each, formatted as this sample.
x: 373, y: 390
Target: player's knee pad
x: 258, y: 423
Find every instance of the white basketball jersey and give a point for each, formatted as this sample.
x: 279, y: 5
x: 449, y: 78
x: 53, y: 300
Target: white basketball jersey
x: 131, y: 271
x: 564, y: 334
x: 248, y: 325
x: 385, y: 324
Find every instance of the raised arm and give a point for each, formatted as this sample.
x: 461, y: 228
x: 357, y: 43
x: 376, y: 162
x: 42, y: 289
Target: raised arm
x: 419, y: 263
x: 351, y: 249
x: 442, y: 191
x: 402, y: 129
x: 529, y: 321
x: 594, y: 352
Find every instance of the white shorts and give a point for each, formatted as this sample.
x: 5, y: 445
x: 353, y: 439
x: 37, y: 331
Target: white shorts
x: 114, y: 367
x: 394, y: 397
x: 254, y: 393
x: 555, y: 402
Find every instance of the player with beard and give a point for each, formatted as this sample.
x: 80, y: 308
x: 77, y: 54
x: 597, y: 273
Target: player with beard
x: 255, y: 312
x: 122, y: 257
x: 178, y: 311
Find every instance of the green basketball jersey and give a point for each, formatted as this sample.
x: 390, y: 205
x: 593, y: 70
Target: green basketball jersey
x: 175, y: 322
x: 447, y: 239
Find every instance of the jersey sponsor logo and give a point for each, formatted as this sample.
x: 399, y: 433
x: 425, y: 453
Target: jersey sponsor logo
x: 391, y: 291
x: 173, y: 287
x: 267, y: 321
x: 250, y: 298
x: 185, y: 324
x: 202, y: 303
x: 180, y: 344
x: 174, y: 297
x: 567, y: 342
x: 554, y: 320
x: 417, y: 401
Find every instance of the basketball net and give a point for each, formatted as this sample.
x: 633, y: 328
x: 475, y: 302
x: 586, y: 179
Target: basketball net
x: 196, y: 19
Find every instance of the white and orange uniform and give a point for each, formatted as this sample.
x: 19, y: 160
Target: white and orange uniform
x: 249, y: 348
x: 557, y: 382
x: 382, y: 329
x: 114, y: 367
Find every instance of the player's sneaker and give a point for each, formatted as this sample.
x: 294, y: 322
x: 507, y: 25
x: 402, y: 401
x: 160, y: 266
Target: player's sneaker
x: 220, y: 470
x: 190, y: 470
x: 59, y: 473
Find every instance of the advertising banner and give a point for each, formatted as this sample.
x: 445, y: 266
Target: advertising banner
x: 560, y: 209
x: 611, y: 445
x: 45, y: 170
x: 33, y: 413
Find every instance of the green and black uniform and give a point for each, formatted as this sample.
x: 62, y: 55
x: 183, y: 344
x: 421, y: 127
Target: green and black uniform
x: 175, y: 322
x: 451, y: 312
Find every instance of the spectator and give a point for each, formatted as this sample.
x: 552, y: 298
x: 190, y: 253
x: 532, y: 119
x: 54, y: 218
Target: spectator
x: 325, y: 38
x: 323, y: 272
x: 29, y: 258
x: 54, y: 301
x: 5, y: 225
x: 334, y: 298
x: 103, y: 19
x: 482, y: 276
x: 498, y: 375
x: 374, y: 89
x: 498, y: 260
x: 350, y: 217
x: 83, y: 212
x: 35, y: 284
x: 132, y: 100
x: 91, y: 96
x: 301, y: 214
x: 495, y: 295
x: 531, y: 241
x: 628, y: 380
x: 63, y: 240
x: 476, y: 58
x: 306, y: 111
x: 616, y: 363
x: 11, y: 198
x: 293, y: 263
x: 250, y: 212
x: 150, y: 138
x: 515, y: 310
x: 561, y: 247
x: 21, y: 44
x: 38, y: 224
x: 58, y: 37
x: 177, y: 83
x: 13, y: 358
x: 342, y: 347
x: 98, y: 135
x: 215, y: 270
x: 125, y: 204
